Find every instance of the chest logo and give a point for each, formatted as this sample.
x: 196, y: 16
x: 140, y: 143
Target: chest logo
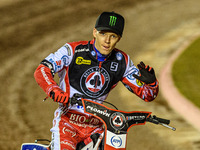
x: 93, y: 83
x: 80, y: 61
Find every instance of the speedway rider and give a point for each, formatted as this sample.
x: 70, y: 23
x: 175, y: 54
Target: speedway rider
x: 90, y: 68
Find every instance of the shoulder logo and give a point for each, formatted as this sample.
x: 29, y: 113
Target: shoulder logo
x: 119, y: 56
x: 68, y: 49
x: 80, y: 61
x: 93, y: 53
x: 82, y: 50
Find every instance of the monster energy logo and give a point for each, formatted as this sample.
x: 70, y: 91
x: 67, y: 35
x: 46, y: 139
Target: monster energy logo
x: 112, y: 20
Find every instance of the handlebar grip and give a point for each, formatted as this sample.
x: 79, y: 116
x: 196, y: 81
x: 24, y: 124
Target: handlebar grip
x: 74, y: 100
x: 161, y: 120
x: 152, y: 120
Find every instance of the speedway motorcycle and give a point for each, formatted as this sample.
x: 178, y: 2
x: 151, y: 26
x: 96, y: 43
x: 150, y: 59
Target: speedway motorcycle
x: 116, y: 126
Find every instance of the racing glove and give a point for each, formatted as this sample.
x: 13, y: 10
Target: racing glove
x: 59, y: 96
x: 147, y: 74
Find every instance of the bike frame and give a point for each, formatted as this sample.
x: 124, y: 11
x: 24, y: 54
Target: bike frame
x: 117, y: 123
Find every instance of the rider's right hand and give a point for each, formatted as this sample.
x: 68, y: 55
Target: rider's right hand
x: 75, y: 99
x: 59, y: 96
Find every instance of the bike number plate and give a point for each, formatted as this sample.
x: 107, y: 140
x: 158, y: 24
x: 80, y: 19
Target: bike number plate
x: 116, y: 141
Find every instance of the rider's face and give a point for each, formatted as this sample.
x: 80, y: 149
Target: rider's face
x: 105, y: 41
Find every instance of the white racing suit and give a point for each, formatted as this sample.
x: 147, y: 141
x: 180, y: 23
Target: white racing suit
x: 80, y: 72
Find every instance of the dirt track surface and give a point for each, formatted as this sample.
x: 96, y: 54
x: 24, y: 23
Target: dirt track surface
x: 30, y: 30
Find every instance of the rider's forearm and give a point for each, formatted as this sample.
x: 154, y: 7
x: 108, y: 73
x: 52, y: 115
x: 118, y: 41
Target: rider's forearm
x: 44, y: 78
x: 147, y: 92
x: 152, y: 91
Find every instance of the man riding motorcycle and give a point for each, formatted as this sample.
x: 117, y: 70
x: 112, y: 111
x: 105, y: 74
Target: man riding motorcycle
x: 90, y: 68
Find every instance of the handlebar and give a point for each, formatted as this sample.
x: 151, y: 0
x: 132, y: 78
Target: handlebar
x: 76, y: 99
x: 157, y: 120
x: 161, y: 121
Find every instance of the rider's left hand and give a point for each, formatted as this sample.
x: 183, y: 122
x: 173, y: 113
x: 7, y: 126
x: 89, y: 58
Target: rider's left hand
x: 147, y: 74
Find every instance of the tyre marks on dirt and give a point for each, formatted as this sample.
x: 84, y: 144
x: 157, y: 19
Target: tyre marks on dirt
x: 26, y: 40
x: 162, y: 51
